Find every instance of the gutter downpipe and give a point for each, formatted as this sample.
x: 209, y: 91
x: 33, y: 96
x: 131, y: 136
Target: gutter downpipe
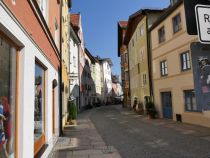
x: 60, y: 74
x: 149, y: 62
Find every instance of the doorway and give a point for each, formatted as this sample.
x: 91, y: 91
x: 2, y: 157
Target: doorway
x: 167, y: 105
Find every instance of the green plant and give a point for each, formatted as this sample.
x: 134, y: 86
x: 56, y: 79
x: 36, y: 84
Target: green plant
x: 72, y: 111
x: 151, y: 111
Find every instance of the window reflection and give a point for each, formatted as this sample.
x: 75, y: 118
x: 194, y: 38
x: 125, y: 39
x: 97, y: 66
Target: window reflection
x: 7, y: 99
x: 39, y: 102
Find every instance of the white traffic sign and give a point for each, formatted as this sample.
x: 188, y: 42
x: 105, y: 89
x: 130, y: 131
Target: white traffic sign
x: 203, y: 22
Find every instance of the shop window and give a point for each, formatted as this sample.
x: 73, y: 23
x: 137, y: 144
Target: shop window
x: 7, y: 99
x: 39, y: 106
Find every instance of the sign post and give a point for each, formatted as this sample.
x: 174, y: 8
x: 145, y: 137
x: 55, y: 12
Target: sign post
x: 203, y: 23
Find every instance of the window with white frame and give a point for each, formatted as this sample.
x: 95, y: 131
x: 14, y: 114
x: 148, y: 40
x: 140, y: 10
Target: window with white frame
x: 185, y: 61
x: 163, y: 68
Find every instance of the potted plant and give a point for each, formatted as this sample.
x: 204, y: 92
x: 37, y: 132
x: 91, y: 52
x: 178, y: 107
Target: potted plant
x: 72, y: 113
x: 150, y: 108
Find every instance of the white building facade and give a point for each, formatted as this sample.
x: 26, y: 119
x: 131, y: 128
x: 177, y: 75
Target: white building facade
x: 74, y: 43
x: 97, y: 80
x: 106, y: 80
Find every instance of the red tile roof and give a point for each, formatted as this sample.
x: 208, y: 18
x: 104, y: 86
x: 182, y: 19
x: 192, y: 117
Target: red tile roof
x: 75, y: 19
x: 123, y: 23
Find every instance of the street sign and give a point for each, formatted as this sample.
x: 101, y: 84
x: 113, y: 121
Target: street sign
x: 189, y: 6
x: 203, y: 23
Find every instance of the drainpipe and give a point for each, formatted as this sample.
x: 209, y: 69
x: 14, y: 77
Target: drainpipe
x: 60, y: 74
x: 79, y: 45
x: 149, y: 61
x: 129, y: 92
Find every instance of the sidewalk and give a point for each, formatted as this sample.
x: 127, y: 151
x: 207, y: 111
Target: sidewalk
x: 83, y: 141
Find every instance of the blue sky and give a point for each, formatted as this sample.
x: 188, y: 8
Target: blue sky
x: 99, y: 20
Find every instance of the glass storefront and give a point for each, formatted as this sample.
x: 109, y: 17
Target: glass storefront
x: 39, y: 105
x: 7, y: 99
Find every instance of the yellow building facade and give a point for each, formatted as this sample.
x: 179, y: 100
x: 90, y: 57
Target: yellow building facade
x: 136, y: 39
x: 139, y: 63
x: 172, y: 71
x: 65, y: 58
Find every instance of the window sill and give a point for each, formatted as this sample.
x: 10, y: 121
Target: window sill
x: 186, y: 71
x: 164, y: 76
x: 174, y: 33
x: 193, y: 112
x: 162, y: 42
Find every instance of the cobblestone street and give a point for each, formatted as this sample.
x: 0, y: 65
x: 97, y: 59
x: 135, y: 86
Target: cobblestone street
x: 136, y: 136
x: 102, y: 132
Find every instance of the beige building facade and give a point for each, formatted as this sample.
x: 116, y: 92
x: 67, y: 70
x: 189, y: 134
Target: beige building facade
x: 172, y: 71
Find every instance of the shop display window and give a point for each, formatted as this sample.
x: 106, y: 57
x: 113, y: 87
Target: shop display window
x: 39, y: 102
x: 7, y: 99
